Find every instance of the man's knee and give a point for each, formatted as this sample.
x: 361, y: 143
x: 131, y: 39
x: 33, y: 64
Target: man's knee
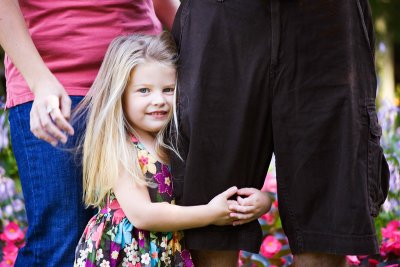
x: 215, y: 258
x: 319, y: 260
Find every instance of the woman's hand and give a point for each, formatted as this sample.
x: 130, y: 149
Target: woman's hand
x: 219, y: 206
x: 51, y: 110
x: 251, y: 204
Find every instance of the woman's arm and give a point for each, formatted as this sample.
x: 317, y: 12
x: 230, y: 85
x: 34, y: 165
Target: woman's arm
x: 18, y: 45
x: 142, y: 213
x: 166, y: 10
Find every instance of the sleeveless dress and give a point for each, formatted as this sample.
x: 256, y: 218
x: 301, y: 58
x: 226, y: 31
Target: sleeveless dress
x: 110, y: 239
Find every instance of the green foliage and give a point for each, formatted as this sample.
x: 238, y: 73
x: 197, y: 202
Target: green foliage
x: 390, y: 10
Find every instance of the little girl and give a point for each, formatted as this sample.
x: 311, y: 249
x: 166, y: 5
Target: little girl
x: 126, y: 173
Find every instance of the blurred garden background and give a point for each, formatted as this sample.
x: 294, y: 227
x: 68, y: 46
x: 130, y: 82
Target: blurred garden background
x: 274, y: 250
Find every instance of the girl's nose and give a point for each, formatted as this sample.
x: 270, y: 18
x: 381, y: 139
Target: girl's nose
x: 158, y: 99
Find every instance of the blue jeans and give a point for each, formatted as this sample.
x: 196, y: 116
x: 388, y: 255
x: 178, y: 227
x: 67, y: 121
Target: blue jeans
x: 51, y: 181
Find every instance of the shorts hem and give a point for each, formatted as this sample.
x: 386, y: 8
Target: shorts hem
x: 224, y: 240
x: 336, y: 244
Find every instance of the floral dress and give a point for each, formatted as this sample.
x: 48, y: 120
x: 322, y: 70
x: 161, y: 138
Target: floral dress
x: 110, y: 239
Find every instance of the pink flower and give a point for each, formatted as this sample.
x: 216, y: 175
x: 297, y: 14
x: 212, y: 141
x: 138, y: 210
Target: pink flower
x: 12, y: 232
x: 270, y: 247
x: 97, y: 234
x: 391, y: 228
x: 7, y: 263
x: 391, y: 239
x: 269, y: 184
x: 118, y: 214
x: 8, y: 259
x: 10, y: 249
x: 353, y: 260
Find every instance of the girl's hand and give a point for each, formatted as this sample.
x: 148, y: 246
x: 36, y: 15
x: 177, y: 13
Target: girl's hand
x: 254, y: 204
x: 219, y: 207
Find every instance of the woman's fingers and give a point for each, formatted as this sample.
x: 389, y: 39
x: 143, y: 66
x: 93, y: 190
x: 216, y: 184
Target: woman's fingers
x: 48, y: 126
x: 38, y: 130
x: 48, y: 121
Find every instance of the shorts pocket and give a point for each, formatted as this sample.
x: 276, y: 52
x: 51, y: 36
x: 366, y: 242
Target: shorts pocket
x: 378, y: 170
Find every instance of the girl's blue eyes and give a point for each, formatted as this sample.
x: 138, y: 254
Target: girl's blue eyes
x: 143, y: 90
x: 147, y: 90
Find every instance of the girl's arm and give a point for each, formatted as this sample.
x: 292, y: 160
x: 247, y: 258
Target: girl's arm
x: 18, y: 45
x: 166, y: 10
x: 135, y: 201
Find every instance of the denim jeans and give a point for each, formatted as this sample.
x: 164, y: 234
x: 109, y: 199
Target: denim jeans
x: 51, y: 181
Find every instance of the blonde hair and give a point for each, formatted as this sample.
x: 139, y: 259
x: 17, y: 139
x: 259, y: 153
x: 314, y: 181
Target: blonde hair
x: 107, y: 147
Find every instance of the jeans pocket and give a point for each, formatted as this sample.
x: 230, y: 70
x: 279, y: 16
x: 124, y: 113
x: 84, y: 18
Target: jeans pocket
x: 378, y: 171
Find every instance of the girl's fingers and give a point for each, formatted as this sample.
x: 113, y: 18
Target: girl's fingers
x: 245, y: 191
x: 242, y: 209
x: 240, y: 216
x: 248, y: 201
x: 230, y: 192
x: 240, y: 222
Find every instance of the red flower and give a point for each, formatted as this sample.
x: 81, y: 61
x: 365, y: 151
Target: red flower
x: 373, y: 262
x: 270, y: 247
x: 12, y: 232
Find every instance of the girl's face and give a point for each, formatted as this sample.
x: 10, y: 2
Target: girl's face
x: 148, y: 98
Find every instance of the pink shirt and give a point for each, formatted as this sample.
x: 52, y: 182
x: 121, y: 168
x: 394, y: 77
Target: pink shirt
x: 72, y: 37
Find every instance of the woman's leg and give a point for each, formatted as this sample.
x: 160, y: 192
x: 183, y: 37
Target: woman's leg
x: 51, y: 181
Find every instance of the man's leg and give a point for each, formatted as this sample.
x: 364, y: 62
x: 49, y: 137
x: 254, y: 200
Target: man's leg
x: 319, y: 260
x: 225, y: 135
x: 330, y: 169
x: 215, y: 258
